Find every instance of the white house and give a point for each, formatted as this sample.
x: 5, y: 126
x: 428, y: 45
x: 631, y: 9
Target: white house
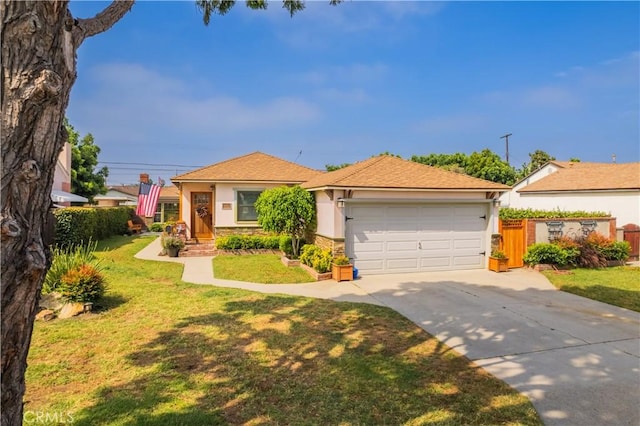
x: 387, y: 214
x: 612, y: 188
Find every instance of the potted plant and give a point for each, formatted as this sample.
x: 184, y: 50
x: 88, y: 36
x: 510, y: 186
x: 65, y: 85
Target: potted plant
x: 498, y: 261
x: 172, y: 245
x: 341, y: 268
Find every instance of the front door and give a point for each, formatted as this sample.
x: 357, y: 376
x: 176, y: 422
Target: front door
x: 201, y: 215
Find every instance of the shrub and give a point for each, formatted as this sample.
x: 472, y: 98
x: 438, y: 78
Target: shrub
x: 286, y: 246
x: 617, y: 250
x: 498, y: 254
x: 66, y: 259
x: 83, y: 284
x: 317, y: 258
x: 248, y: 242
x: 156, y: 227
x: 76, y: 225
x: 513, y: 213
x: 546, y: 253
x: 341, y: 260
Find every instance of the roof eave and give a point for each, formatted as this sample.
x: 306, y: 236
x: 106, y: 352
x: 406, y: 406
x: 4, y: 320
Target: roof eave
x: 369, y: 188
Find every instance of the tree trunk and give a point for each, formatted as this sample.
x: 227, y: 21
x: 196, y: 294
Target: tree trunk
x: 39, y: 44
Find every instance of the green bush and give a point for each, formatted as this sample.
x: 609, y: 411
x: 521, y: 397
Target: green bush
x: 156, y: 227
x: 248, y: 242
x: 546, y: 253
x: 77, y: 225
x: 83, y: 284
x: 66, y: 259
x: 513, y: 213
x: 316, y: 258
x: 286, y: 246
x: 617, y: 250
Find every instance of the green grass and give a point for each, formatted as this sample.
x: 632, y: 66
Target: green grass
x: 162, y: 352
x: 258, y: 268
x: 618, y: 286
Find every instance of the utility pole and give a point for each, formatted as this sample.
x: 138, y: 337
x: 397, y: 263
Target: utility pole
x: 506, y: 138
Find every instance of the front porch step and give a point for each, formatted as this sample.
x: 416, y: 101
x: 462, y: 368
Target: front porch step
x: 193, y: 249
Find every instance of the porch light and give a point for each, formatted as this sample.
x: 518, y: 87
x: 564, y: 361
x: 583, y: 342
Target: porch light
x: 340, y: 202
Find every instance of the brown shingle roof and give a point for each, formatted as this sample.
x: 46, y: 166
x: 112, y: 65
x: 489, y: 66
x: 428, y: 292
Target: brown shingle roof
x: 256, y: 166
x: 391, y: 172
x: 589, y: 176
x: 126, y: 189
x: 169, y: 191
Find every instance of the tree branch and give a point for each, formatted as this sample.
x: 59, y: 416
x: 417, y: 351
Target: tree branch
x: 84, y: 28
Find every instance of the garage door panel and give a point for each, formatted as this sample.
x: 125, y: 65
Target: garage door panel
x: 472, y: 261
x: 473, y: 243
x: 402, y: 264
x: 441, y: 263
x: 402, y: 246
x: 435, y: 244
x: 369, y: 247
x: 403, y: 212
x: 408, y: 238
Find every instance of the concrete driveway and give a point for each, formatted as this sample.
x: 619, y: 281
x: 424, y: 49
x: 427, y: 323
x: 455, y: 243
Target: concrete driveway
x: 576, y: 359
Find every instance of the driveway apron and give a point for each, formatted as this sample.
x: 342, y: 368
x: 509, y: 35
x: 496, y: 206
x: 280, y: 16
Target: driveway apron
x: 576, y: 359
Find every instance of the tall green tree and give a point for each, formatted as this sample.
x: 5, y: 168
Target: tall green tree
x: 40, y: 41
x: 537, y: 159
x: 485, y: 164
x: 286, y: 209
x: 85, y: 180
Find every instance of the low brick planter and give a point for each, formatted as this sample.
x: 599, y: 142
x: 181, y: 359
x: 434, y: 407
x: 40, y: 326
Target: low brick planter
x: 315, y: 274
x: 289, y: 262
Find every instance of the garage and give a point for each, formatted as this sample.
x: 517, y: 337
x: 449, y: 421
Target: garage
x: 416, y: 237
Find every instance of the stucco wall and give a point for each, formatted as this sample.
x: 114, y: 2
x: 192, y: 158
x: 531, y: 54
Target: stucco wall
x: 512, y: 198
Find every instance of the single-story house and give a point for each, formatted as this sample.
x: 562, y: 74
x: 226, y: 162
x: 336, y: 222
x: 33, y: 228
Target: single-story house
x: 218, y: 200
x: 613, y: 188
x: 385, y: 213
x: 127, y: 195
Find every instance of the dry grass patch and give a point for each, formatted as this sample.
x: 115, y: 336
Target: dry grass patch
x: 171, y: 353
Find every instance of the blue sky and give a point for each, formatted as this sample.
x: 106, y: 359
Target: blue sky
x: 343, y: 83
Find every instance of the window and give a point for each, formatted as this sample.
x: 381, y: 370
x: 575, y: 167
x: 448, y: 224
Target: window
x: 166, y: 212
x: 246, y: 209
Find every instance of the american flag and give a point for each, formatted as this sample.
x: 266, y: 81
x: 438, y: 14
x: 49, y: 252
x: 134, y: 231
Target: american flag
x: 147, y: 199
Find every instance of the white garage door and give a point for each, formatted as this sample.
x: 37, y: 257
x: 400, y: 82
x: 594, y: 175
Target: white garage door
x: 388, y: 238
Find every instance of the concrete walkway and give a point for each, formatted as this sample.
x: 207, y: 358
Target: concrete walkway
x: 576, y: 359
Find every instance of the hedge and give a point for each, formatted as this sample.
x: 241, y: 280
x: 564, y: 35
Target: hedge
x: 78, y: 225
x: 248, y: 242
x: 513, y: 213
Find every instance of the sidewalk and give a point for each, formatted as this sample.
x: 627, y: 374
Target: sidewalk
x: 199, y: 270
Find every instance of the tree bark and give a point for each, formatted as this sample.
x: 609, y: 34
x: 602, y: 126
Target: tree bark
x: 39, y: 44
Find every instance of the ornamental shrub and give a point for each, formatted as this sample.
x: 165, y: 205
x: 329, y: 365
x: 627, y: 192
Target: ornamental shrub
x: 249, y: 242
x: 156, y: 227
x: 83, y: 284
x: 66, y: 259
x: 286, y: 246
x: 77, y: 225
x: 513, y: 213
x: 546, y: 253
x: 617, y: 250
x: 317, y: 258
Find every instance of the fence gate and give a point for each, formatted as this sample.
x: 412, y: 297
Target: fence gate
x: 513, y: 240
x: 632, y: 235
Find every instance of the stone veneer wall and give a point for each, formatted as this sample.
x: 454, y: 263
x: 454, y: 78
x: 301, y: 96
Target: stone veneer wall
x: 237, y: 230
x: 606, y: 227
x: 336, y: 245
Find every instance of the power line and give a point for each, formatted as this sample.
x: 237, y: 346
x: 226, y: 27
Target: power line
x: 148, y: 164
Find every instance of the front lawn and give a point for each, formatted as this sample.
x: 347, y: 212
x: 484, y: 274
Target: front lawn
x: 618, y: 286
x: 258, y: 268
x: 163, y: 352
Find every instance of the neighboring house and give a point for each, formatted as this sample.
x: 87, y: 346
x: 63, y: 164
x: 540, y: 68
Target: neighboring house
x: 388, y: 214
x: 218, y: 199
x: 61, y: 191
x: 609, y: 187
x: 127, y: 195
